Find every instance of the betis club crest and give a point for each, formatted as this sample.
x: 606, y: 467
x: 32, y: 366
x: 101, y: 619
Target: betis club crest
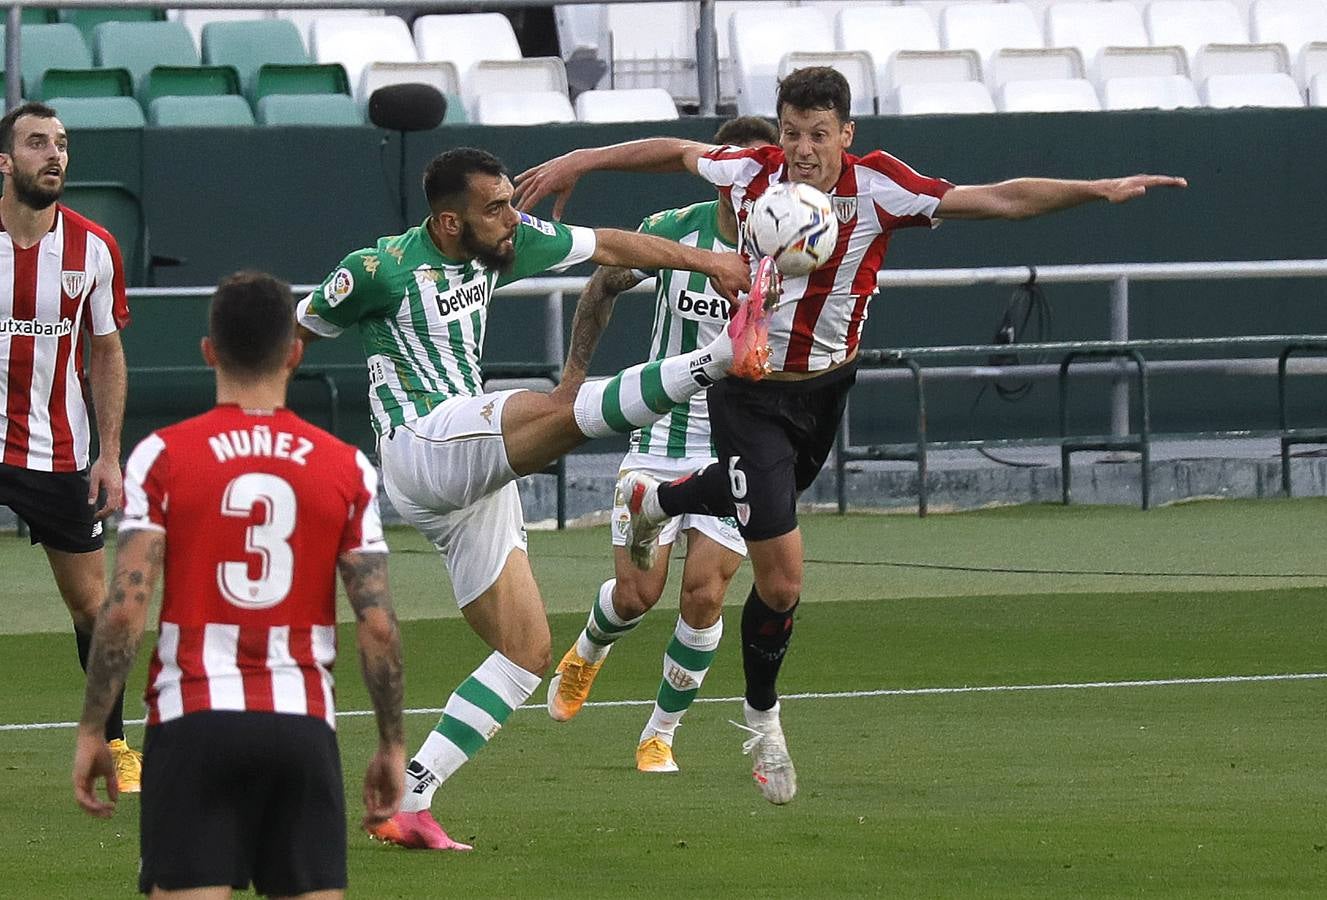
x: 845, y: 208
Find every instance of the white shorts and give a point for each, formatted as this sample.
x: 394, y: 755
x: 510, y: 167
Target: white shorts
x: 723, y: 531
x: 447, y: 474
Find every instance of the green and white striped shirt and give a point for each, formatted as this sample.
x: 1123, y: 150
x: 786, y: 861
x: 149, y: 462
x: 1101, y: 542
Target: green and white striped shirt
x: 422, y: 316
x: 689, y: 313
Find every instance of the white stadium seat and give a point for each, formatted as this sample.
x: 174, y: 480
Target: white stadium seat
x: 1290, y: 22
x: 639, y: 105
x: 1312, y: 60
x: 441, y: 75
x: 856, y: 67
x: 465, y: 39
x: 652, y: 45
x: 523, y: 108
x: 760, y: 38
x: 579, y: 26
x: 356, y: 41
x: 1230, y: 91
x: 1149, y: 92
x: 931, y: 66
x: 1192, y: 23
x: 303, y: 19
x: 544, y: 74
x: 1140, y: 62
x: 1240, y: 59
x: 1033, y: 65
x: 1049, y: 95
x: 988, y: 27
x: 935, y: 97
x: 1092, y: 26
x: 1318, y: 90
x: 884, y: 30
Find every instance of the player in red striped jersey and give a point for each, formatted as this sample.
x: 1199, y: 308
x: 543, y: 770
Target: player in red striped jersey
x: 250, y: 511
x: 60, y: 277
x: 773, y: 437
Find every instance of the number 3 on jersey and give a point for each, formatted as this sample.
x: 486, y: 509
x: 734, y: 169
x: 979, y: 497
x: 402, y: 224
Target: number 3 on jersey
x: 268, y: 540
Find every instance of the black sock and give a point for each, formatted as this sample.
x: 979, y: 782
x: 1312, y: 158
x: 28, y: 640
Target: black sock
x: 115, y: 721
x: 765, y: 637
x: 704, y: 493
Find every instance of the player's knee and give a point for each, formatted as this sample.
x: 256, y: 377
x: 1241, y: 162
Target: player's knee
x: 779, y: 590
x: 702, y: 602
x: 634, y: 597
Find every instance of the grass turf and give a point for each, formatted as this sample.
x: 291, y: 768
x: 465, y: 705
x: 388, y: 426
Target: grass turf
x: 1182, y: 790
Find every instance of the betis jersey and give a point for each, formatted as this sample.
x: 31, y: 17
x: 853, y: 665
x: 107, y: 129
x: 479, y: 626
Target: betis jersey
x: 689, y: 313
x: 422, y: 316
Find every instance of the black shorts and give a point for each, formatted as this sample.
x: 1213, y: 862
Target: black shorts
x: 234, y: 797
x: 55, y: 507
x: 777, y: 435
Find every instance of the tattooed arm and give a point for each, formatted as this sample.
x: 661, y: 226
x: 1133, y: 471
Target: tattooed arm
x: 379, y: 640
x: 593, y: 310
x: 115, y: 641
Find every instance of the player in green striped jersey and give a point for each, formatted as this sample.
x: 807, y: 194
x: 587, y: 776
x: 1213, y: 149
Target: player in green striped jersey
x: 450, y: 453
x: 688, y: 313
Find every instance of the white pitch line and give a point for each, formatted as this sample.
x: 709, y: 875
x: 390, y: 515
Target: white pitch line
x: 834, y: 695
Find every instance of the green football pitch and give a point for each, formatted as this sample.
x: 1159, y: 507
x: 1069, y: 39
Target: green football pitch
x: 1027, y: 702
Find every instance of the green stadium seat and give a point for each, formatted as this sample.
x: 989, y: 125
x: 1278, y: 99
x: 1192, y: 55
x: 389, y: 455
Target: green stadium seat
x: 98, y: 112
x: 35, y: 16
x: 188, y: 81
x: 86, y: 20
x: 200, y: 112
x: 120, y: 212
x: 50, y: 47
x: 309, y: 109
x: 115, y: 82
x: 249, y: 45
x: 455, y: 114
x: 314, y: 78
x: 140, y: 46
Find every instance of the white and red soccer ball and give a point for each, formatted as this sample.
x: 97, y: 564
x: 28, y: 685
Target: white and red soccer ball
x: 793, y: 223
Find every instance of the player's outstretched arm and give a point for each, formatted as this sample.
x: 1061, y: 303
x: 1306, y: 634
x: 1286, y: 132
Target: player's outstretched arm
x: 109, y: 382
x: 729, y: 272
x: 594, y: 308
x: 379, y: 640
x: 115, y: 640
x: 1023, y: 198
x: 559, y: 175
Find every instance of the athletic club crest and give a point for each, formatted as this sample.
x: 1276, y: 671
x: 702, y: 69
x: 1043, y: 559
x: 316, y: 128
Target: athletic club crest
x: 845, y: 208
x: 73, y: 283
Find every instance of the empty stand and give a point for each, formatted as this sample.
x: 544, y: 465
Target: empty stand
x: 929, y: 67
x: 356, y: 41
x: 116, y: 82
x: 87, y: 19
x: 760, y: 38
x: 313, y: 78
x: 1140, y: 62
x: 1192, y: 23
x: 1048, y: 95
x: 1149, y: 92
x: 309, y: 109
x: 1034, y: 65
x: 200, y: 112
x: 98, y: 112
x: 249, y: 45
x: 516, y: 108
x: 138, y: 46
x: 57, y: 46
x: 540, y: 75
x: 1240, y: 59
x: 1312, y: 60
x: 303, y: 19
x: 1290, y: 22
x: 651, y: 45
x: 441, y: 75
x: 929, y: 98
x: 465, y: 40
x: 855, y: 66
x: 626, y: 105
x: 1230, y: 91
x: 188, y: 81
x: 198, y: 19
x: 1318, y: 90
x: 1093, y: 26
x: 988, y: 27
x: 884, y: 30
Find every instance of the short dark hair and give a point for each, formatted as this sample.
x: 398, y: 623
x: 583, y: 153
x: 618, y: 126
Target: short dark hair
x: 815, y: 87
x: 31, y: 108
x: 251, y: 322
x: 746, y: 130
x: 447, y: 176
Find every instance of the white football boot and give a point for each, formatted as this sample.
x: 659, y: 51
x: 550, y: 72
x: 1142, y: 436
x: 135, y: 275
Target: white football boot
x: 771, y: 766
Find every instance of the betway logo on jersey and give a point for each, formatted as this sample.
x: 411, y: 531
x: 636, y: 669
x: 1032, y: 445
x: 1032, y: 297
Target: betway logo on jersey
x: 701, y: 307
x: 462, y: 298
x: 33, y: 328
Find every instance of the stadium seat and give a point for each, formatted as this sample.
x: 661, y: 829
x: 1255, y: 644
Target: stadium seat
x: 523, y: 108
x: 188, y: 81
x: 464, y: 40
x: 58, y: 46
x: 1140, y: 62
x: 303, y: 19
x: 651, y: 45
x: 441, y: 75
x: 1149, y: 92
x: 939, y: 97
x: 1048, y: 95
x: 855, y: 66
x: 988, y: 27
x: 196, y: 20
x: 1240, y: 59
x: 930, y: 66
x: 314, y: 78
x: 356, y: 41
x: 116, y: 82
x: 580, y: 27
x: 98, y: 112
x: 120, y: 211
x: 33, y: 15
x: 1290, y: 22
x: 626, y: 105
x: 724, y: 10
x: 138, y: 46
x: 1033, y: 65
x: 1312, y: 60
x: 1230, y: 91
x: 539, y: 75
x: 249, y: 45
x: 86, y: 19
x: 884, y: 30
x: 309, y: 109
x: 1318, y: 90
x: 225, y: 110
x: 1092, y: 26
x: 759, y: 41
x: 1192, y: 23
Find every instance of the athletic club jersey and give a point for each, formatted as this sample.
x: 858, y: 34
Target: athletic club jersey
x: 422, y: 316
x: 688, y: 314
x: 256, y: 508
x: 819, y: 320
x: 70, y: 280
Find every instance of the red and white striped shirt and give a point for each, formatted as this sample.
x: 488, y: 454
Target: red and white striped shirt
x: 256, y: 508
x: 71, y: 280
x: 819, y: 320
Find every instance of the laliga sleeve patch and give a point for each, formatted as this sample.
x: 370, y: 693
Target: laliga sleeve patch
x: 339, y: 286
x: 543, y: 227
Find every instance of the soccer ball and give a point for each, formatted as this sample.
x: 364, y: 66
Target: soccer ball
x: 795, y: 224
